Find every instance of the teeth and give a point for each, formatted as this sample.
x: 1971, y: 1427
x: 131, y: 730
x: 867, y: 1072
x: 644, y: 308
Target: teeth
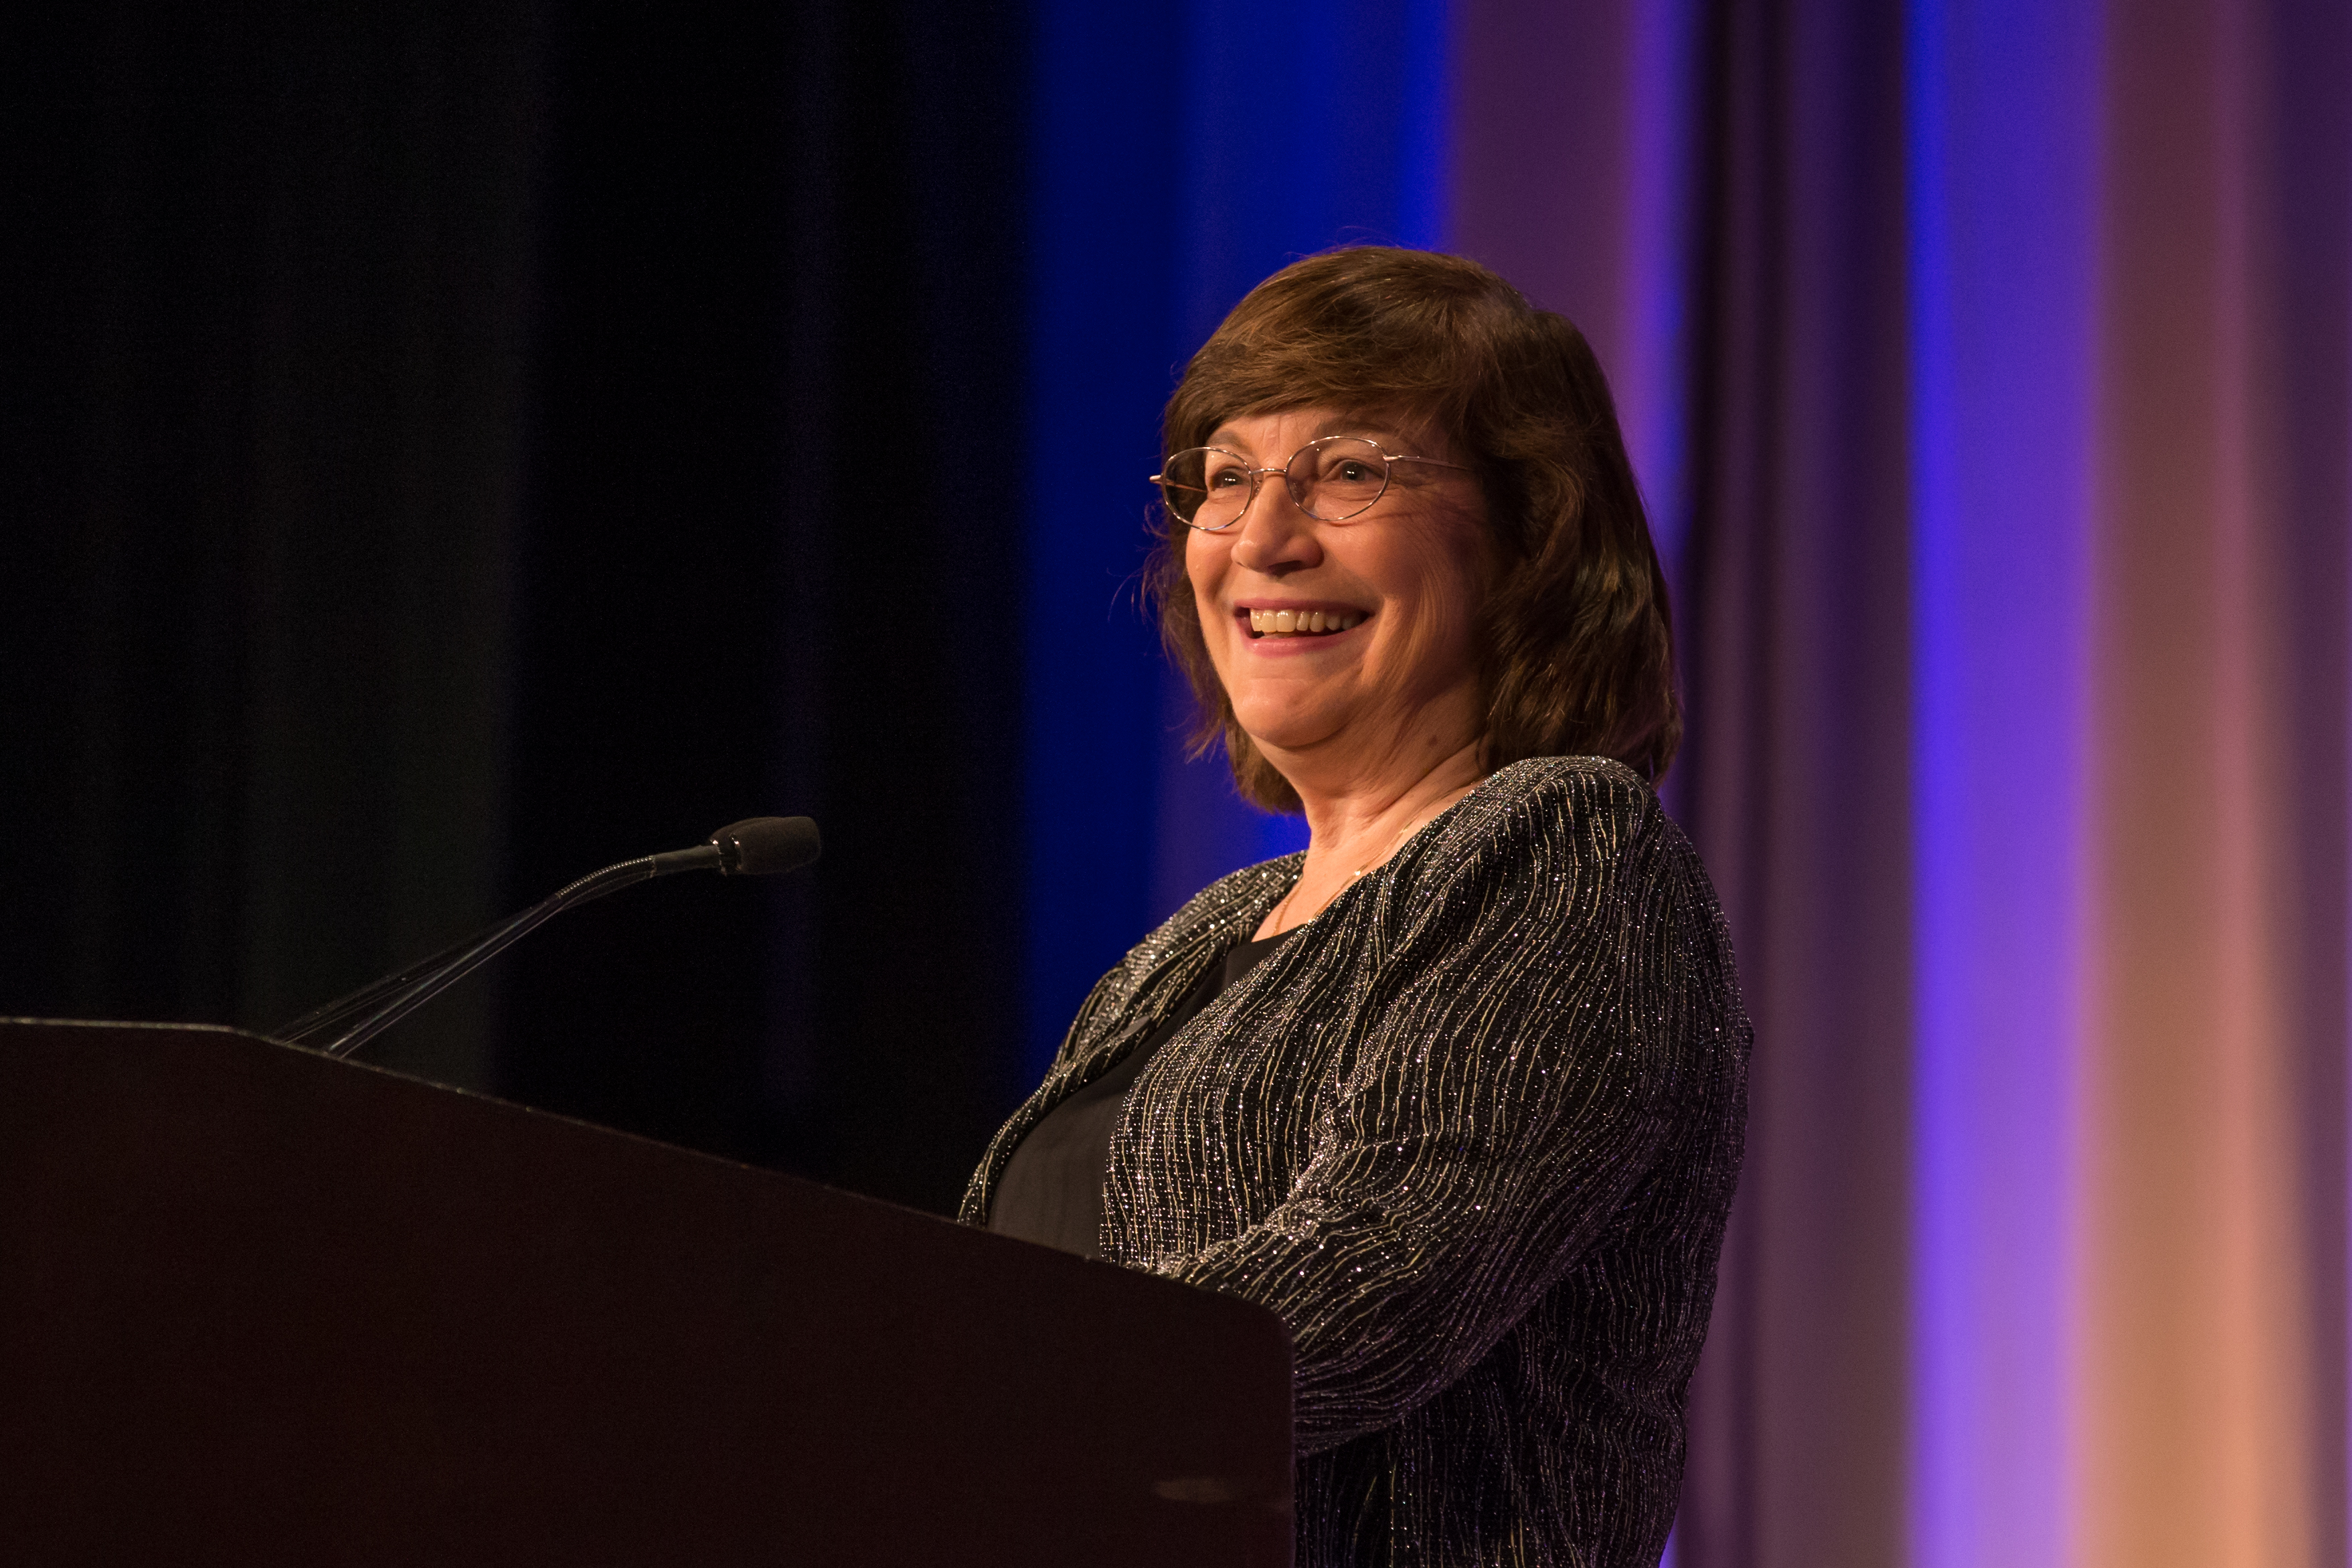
x: 1301, y: 622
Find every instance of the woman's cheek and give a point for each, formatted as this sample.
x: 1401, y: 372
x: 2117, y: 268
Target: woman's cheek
x: 1200, y: 580
x: 1205, y: 572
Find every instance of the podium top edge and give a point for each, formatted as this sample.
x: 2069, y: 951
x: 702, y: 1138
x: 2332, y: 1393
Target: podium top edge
x: 138, y: 1023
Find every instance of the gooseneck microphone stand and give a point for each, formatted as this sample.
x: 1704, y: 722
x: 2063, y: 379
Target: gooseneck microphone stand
x: 761, y: 846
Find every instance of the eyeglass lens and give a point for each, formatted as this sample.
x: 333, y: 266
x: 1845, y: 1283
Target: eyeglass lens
x: 1331, y: 480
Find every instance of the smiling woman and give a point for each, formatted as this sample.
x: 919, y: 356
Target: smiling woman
x: 1459, y: 1092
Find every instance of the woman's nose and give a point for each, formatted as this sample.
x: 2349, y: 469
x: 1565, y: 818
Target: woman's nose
x: 1276, y: 536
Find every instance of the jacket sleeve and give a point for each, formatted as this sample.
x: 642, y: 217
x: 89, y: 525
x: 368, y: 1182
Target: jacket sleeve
x: 1514, y: 1083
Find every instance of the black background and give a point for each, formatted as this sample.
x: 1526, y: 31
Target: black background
x: 450, y: 448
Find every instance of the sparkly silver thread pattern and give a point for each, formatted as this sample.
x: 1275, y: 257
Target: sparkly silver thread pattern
x: 1473, y: 1139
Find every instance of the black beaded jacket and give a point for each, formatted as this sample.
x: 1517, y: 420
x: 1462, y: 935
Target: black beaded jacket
x: 1473, y: 1138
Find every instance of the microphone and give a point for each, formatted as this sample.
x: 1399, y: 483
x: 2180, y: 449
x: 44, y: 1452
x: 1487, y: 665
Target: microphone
x: 758, y: 846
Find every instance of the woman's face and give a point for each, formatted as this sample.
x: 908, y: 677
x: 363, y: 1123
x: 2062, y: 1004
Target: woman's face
x: 1402, y: 582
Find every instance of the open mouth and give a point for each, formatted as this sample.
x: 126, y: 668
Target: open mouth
x: 1302, y: 622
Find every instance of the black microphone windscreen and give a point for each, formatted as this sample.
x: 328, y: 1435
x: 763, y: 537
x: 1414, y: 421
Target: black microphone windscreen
x: 764, y: 846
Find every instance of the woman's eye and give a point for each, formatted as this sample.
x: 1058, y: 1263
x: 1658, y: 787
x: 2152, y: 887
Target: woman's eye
x: 1225, y: 479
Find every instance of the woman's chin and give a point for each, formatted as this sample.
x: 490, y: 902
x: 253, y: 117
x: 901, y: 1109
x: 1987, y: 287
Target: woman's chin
x: 1284, y: 728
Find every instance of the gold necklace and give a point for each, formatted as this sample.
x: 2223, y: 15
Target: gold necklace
x: 1282, y: 910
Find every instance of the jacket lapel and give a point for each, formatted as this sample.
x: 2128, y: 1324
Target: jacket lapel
x: 1127, y: 1003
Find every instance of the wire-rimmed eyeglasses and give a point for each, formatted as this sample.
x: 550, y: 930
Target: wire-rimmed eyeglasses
x: 1333, y: 479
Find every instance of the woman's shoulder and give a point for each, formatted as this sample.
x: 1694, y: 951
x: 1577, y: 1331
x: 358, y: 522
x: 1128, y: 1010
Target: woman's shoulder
x: 1588, y: 781
x: 1584, y: 805
x: 1584, y: 821
x: 1555, y: 842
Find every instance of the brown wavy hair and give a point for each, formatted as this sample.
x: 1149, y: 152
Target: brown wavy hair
x: 1575, y: 641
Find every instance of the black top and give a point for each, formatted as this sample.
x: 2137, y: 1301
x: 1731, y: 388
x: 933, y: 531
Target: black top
x: 1051, y: 1190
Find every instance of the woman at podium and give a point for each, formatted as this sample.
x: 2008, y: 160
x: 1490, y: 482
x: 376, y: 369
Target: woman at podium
x: 1459, y: 1091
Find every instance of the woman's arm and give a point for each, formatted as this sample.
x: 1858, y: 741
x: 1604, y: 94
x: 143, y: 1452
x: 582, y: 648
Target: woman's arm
x: 1503, y: 1106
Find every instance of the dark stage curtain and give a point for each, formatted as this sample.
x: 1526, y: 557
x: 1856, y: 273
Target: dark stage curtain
x: 768, y: 567
x: 453, y: 447
x: 264, y: 446
x: 1795, y: 616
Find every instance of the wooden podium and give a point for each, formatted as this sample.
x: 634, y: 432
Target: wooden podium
x: 259, y: 1306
